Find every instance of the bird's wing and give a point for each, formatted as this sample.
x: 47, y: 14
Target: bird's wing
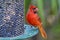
x: 39, y: 19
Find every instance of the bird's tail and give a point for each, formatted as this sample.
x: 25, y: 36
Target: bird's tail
x: 43, y: 33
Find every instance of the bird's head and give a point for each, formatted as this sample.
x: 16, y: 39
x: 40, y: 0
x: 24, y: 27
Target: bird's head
x: 33, y: 8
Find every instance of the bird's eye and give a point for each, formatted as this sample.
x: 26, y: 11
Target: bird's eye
x: 34, y: 8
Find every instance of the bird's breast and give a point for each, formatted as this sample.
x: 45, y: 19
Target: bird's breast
x: 31, y: 19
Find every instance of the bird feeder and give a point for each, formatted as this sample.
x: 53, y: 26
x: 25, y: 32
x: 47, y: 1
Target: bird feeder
x: 29, y: 32
x: 12, y: 21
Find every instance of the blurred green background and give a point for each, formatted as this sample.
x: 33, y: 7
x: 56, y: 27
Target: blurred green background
x: 49, y: 12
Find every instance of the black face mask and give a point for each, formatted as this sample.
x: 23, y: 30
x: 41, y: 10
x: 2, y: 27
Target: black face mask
x: 34, y: 11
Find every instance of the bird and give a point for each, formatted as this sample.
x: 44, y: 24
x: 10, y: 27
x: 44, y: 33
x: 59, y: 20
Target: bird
x: 33, y: 19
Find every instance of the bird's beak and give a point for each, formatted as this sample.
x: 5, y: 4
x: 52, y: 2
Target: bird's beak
x: 36, y: 9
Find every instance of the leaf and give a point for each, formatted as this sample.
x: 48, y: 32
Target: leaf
x: 26, y: 4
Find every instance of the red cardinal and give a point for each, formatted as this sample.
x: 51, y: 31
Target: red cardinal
x: 33, y: 19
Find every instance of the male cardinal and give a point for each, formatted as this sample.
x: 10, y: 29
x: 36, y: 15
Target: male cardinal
x: 34, y: 20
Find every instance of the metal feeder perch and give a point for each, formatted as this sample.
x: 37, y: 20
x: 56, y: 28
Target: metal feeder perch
x: 29, y: 32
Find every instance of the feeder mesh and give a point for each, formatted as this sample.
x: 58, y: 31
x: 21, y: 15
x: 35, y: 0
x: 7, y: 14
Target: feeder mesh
x: 11, y: 18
